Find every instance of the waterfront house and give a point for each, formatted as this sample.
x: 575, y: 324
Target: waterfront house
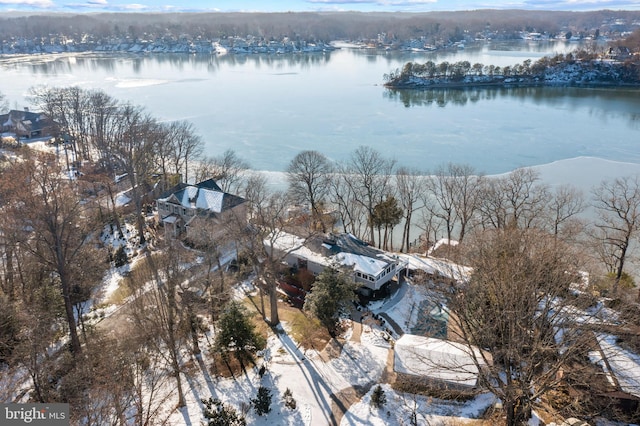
x: 372, y: 268
x: 619, y: 53
x: 28, y: 125
x: 186, y: 208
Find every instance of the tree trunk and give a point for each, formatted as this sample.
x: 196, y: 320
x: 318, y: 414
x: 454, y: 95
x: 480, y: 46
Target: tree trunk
x: 616, y: 283
x: 518, y: 412
x: 71, y: 320
x: 173, y: 347
x: 114, y: 211
x: 273, y: 305
x: 9, y: 273
x: 193, y: 322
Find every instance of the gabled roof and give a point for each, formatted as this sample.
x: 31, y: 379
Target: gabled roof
x: 205, y: 196
x: 350, y: 250
x: 346, y: 249
x: 25, y: 120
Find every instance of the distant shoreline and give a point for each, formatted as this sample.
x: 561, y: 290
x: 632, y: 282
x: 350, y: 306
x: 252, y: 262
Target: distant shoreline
x: 507, y: 85
x: 562, y: 73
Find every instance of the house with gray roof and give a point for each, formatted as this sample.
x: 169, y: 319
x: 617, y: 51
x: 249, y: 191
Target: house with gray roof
x: 28, y: 125
x: 373, y: 269
x: 185, y: 208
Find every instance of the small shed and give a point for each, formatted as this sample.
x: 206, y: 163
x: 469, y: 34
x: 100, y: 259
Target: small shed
x: 436, y: 362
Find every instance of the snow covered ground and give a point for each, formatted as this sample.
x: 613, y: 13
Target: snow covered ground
x: 314, y: 380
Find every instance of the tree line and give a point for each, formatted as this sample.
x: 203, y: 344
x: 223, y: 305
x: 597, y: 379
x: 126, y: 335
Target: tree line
x: 532, y: 72
x: 305, y: 26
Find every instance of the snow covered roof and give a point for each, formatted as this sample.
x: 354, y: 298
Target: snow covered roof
x: 210, y: 200
x: 437, y: 266
x: 349, y: 250
x: 205, y: 195
x: 365, y: 264
x: 436, y: 359
x: 290, y: 243
x: 345, y: 249
x: 170, y: 219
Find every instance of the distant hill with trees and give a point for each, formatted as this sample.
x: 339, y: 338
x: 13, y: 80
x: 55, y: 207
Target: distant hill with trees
x: 310, y: 26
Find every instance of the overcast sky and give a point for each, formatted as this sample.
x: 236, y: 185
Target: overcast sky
x: 308, y: 5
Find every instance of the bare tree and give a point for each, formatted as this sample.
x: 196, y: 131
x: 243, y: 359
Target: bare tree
x: 515, y: 200
x: 409, y: 183
x: 228, y: 170
x: 269, y: 220
x: 525, y: 196
x: 517, y: 306
x: 157, y: 312
x: 102, y: 117
x: 99, y: 387
x: 133, y: 150
x: 466, y: 186
x: 4, y: 103
x: 564, y: 206
x: 219, y: 246
x: 308, y: 174
x: 439, y: 197
x: 369, y: 177
x: 269, y: 238
x: 55, y: 228
x: 618, y: 205
x: 352, y: 215
x: 185, y: 146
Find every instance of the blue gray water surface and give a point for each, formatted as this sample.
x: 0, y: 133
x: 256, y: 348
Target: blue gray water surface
x: 268, y: 108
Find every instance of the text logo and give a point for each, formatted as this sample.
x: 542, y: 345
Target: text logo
x: 36, y: 414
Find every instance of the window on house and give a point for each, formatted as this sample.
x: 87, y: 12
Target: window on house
x: 371, y: 279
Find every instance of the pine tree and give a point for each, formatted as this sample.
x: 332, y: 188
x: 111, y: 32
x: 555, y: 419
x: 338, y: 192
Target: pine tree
x: 331, y: 292
x: 237, y: 334
x: 289, y: 400
x: 262, y: 401
x: 378, y: 398
x: 219, y: 414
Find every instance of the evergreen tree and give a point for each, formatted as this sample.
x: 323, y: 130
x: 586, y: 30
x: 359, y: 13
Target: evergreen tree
x: 331, y: 292
x: 237, y: 334
x: 262, y: 401
x: 378, y: 398
x: 289, y: 400
x: 219, y: 414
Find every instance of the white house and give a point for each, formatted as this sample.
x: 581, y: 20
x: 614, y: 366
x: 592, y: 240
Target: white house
x: 372, y: 268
